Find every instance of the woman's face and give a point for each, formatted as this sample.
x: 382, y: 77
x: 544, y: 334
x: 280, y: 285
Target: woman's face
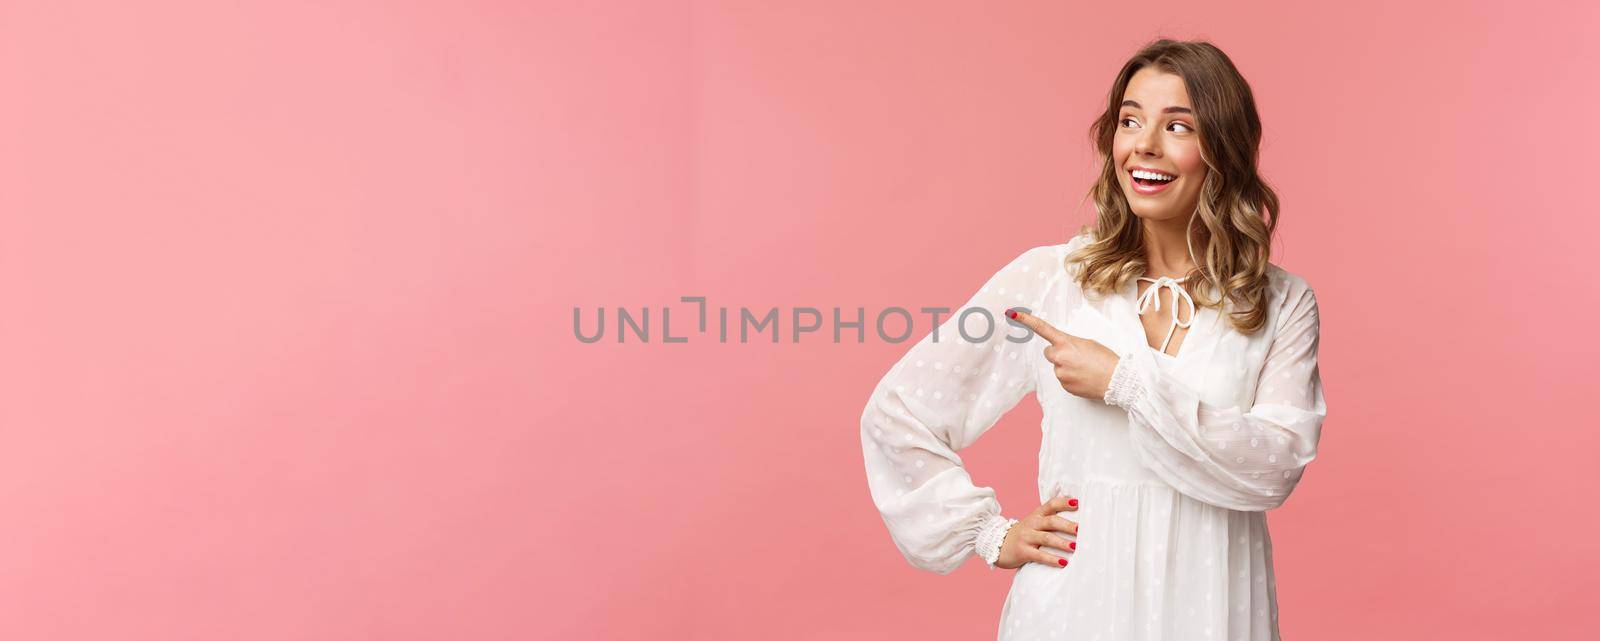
x: 1156, y: 131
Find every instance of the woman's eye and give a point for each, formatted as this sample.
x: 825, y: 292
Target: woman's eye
x: 1186, y: 128
x: 1124, y: 120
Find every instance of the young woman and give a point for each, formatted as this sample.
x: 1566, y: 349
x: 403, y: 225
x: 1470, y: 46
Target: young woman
x: 1176, y: 368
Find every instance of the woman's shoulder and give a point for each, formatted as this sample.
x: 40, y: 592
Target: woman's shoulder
x: 1078, y: 240
x: 1291, y: 295
x: 1287, y: 283
x: 1054, y: 252
x: 1038, y: 256
x: 1047, y: 259
x: 1032, y: 273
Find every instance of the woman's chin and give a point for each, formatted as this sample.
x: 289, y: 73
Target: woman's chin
x: 1152, y: 213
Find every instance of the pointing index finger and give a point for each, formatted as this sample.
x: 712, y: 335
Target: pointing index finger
x: 1043, y: 329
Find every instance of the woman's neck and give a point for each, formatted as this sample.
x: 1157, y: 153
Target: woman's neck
x: 1166, y: 251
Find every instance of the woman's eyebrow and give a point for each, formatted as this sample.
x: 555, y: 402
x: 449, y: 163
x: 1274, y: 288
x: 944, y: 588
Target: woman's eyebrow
x: 1168, y: 110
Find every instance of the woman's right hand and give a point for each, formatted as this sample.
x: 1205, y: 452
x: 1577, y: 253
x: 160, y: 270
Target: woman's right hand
x: 1024, y: 540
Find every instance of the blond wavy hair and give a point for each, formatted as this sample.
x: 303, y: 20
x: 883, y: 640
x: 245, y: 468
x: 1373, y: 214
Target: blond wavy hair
x: 1237, y: 211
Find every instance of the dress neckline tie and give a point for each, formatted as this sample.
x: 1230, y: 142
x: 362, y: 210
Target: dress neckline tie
x: 1151, y: 296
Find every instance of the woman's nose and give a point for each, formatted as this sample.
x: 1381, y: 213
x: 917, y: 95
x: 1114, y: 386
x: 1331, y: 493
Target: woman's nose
x: 1146, y: 144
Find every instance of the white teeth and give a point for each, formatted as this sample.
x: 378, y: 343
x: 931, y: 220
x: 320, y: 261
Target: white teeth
x: 1150, y: 175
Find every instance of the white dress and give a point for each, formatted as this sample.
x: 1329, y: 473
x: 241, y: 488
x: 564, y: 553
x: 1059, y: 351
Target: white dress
x: 1173, y: 470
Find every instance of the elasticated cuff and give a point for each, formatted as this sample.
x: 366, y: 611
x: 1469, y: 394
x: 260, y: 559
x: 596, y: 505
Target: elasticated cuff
x: 991, y: 536
x: 1126, y: 386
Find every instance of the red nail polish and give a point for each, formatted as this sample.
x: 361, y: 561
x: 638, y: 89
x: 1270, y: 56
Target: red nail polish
x: 1073, y: 544
x: 1011, y: 313
x: 1063, y: 562
x: 1073, y: 502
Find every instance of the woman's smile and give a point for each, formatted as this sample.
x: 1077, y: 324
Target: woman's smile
x: 1150, y: 182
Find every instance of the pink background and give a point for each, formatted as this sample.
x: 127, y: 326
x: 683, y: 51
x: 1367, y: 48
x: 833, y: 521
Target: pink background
x: 288, y: 293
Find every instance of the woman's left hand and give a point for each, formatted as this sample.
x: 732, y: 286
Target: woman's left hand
x: 1083, y: 366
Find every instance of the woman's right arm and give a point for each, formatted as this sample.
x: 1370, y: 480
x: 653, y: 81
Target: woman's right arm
x: 938, y: 399
x: 1236, y: 457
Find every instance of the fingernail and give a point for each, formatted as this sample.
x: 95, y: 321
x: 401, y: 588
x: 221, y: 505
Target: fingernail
x: 1073, y: 545
x: 1063, y: 562
x: 1073, y: 502
x: 1011, y: 313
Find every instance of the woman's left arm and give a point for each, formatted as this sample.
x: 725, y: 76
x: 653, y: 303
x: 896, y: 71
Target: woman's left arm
x: 1227, y: 456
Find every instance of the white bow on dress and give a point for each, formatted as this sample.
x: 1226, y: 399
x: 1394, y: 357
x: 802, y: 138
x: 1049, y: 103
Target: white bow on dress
x: 1151, y: 295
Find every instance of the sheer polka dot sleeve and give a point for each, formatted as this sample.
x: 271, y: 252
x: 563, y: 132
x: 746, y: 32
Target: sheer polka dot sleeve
x: 1233, y: 457
x: 944, y: 393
